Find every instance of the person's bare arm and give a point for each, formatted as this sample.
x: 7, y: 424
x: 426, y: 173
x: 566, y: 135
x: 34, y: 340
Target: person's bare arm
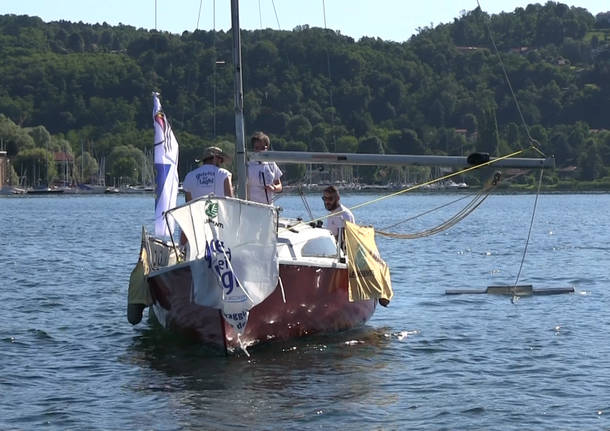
x: 228, y: 187
x: 276, y: 186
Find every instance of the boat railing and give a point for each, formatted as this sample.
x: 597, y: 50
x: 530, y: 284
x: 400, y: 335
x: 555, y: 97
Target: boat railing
x: 159, y: 252
x: 193, y: 216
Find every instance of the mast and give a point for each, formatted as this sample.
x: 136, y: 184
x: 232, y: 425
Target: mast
x: 240, y: 145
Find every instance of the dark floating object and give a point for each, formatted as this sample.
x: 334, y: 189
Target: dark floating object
x: 519, y: 290
x: 477, y: 158
x: 134, y: 313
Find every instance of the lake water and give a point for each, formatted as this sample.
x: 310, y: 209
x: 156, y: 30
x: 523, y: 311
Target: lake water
x: 70, y: 360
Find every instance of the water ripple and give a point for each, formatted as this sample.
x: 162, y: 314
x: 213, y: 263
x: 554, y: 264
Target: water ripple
x: 429, y: 361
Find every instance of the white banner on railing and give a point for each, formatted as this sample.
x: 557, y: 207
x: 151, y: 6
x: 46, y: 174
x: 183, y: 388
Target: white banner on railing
x: 233, y: 254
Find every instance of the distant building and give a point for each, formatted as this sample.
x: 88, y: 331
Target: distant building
x: 65, y: 166
x: 467, y: 48
x: 464, y: 132
x: 520, y: 49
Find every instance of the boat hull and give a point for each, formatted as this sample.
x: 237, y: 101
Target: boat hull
x: 309, y: 300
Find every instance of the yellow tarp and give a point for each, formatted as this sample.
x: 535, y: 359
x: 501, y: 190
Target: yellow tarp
x: 138, y: 292
x: 369, y: 275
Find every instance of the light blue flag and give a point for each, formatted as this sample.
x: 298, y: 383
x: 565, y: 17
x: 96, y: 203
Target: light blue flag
x: 166, y: 169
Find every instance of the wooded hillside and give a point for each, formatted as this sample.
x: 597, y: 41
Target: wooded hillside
x: 67, y: 86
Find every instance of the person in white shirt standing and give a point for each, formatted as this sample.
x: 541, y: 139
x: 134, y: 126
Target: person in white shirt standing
x: 339, y: 212
x: 263, y: 177
x: 209, y: 177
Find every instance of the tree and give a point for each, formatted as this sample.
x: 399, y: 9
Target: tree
x: 40, y: 135
x: 36, y: 166
x: 86, y: 168
x: 125, y: 164
x: 299, y: 127
x: 14, y: 138
x: 295, y: 172
x: 369, y: 145
x: 590, y: 163
x: 347, y: 144
x: 76, y: 42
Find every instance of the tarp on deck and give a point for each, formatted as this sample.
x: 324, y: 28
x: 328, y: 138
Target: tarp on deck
x: 232, y: 250
x: 369, y: 275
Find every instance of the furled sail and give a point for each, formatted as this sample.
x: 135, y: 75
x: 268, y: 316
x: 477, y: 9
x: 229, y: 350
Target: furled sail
x: 166, y: 168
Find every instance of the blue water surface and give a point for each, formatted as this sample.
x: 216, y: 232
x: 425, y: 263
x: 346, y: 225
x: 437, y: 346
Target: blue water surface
x: 70, y: 360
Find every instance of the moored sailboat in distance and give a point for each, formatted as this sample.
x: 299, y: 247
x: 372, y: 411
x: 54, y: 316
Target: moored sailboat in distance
x: 248, y: 276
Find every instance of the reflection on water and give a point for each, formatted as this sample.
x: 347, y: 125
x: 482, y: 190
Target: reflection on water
x: 309, y: 377
x: 176, y: 356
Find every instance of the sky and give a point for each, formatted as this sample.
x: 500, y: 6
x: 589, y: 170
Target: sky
x: 395, y: 20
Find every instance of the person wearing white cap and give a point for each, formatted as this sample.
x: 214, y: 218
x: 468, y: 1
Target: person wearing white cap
x: 209, y: 177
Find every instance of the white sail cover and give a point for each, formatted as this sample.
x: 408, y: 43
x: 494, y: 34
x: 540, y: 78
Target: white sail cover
x: 232, y: 252
x: 166, y: 168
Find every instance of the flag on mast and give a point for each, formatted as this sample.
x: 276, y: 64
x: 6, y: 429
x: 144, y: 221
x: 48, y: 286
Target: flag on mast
x: 166, y: 168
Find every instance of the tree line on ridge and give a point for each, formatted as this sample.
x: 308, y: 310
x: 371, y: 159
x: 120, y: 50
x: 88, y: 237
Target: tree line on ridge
x: 85, y: 91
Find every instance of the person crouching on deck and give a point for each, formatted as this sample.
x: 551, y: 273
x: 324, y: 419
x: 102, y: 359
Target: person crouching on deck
x: 209, y: 177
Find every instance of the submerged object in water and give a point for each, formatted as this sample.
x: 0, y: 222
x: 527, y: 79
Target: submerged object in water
x: 520, y: 290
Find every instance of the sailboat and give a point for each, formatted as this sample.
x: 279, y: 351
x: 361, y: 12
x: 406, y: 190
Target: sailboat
x: 248, y: 276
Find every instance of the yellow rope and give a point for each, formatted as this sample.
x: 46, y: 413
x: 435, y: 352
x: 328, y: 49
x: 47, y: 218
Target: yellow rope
x: 417, y: 186
x: 453, y: 220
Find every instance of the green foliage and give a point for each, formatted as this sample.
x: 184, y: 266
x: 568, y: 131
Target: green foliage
x: 14, y: 138
x: 125, y: 164
x: 312, y: 89
x: 86, y: 169
x: 36, y: 167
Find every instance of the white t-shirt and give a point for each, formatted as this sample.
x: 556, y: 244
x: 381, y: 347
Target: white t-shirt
x: 336, y: 222
x: 206, y: 179
x: 259, y: 175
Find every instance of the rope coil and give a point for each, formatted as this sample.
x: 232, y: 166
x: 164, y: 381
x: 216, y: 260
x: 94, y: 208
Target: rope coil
x: 456, y: 218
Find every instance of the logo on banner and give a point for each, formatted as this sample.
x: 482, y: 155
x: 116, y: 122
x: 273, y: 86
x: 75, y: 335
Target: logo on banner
x: 211, y: 210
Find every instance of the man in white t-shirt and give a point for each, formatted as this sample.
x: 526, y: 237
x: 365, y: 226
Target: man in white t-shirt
x: 263, y: 177
x: 340, y: 212
x: 209, y: 177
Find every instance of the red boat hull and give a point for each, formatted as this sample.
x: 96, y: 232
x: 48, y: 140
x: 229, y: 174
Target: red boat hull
x: 316, y: 301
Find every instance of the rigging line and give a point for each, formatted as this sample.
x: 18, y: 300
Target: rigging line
x: 330, y: 85
x: 276, y: 18
x: 529, y: 233
x: 417, y: 186
x: 452, y: 221
x: 305, y: 203
x: 190, y: 73
x: 324, y: 12
x: 425, y: 213
x: 260, y: 16
x: 510, y: 86
x: 199, y: 14
x: 214, y: 59
x: 484, y: 191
